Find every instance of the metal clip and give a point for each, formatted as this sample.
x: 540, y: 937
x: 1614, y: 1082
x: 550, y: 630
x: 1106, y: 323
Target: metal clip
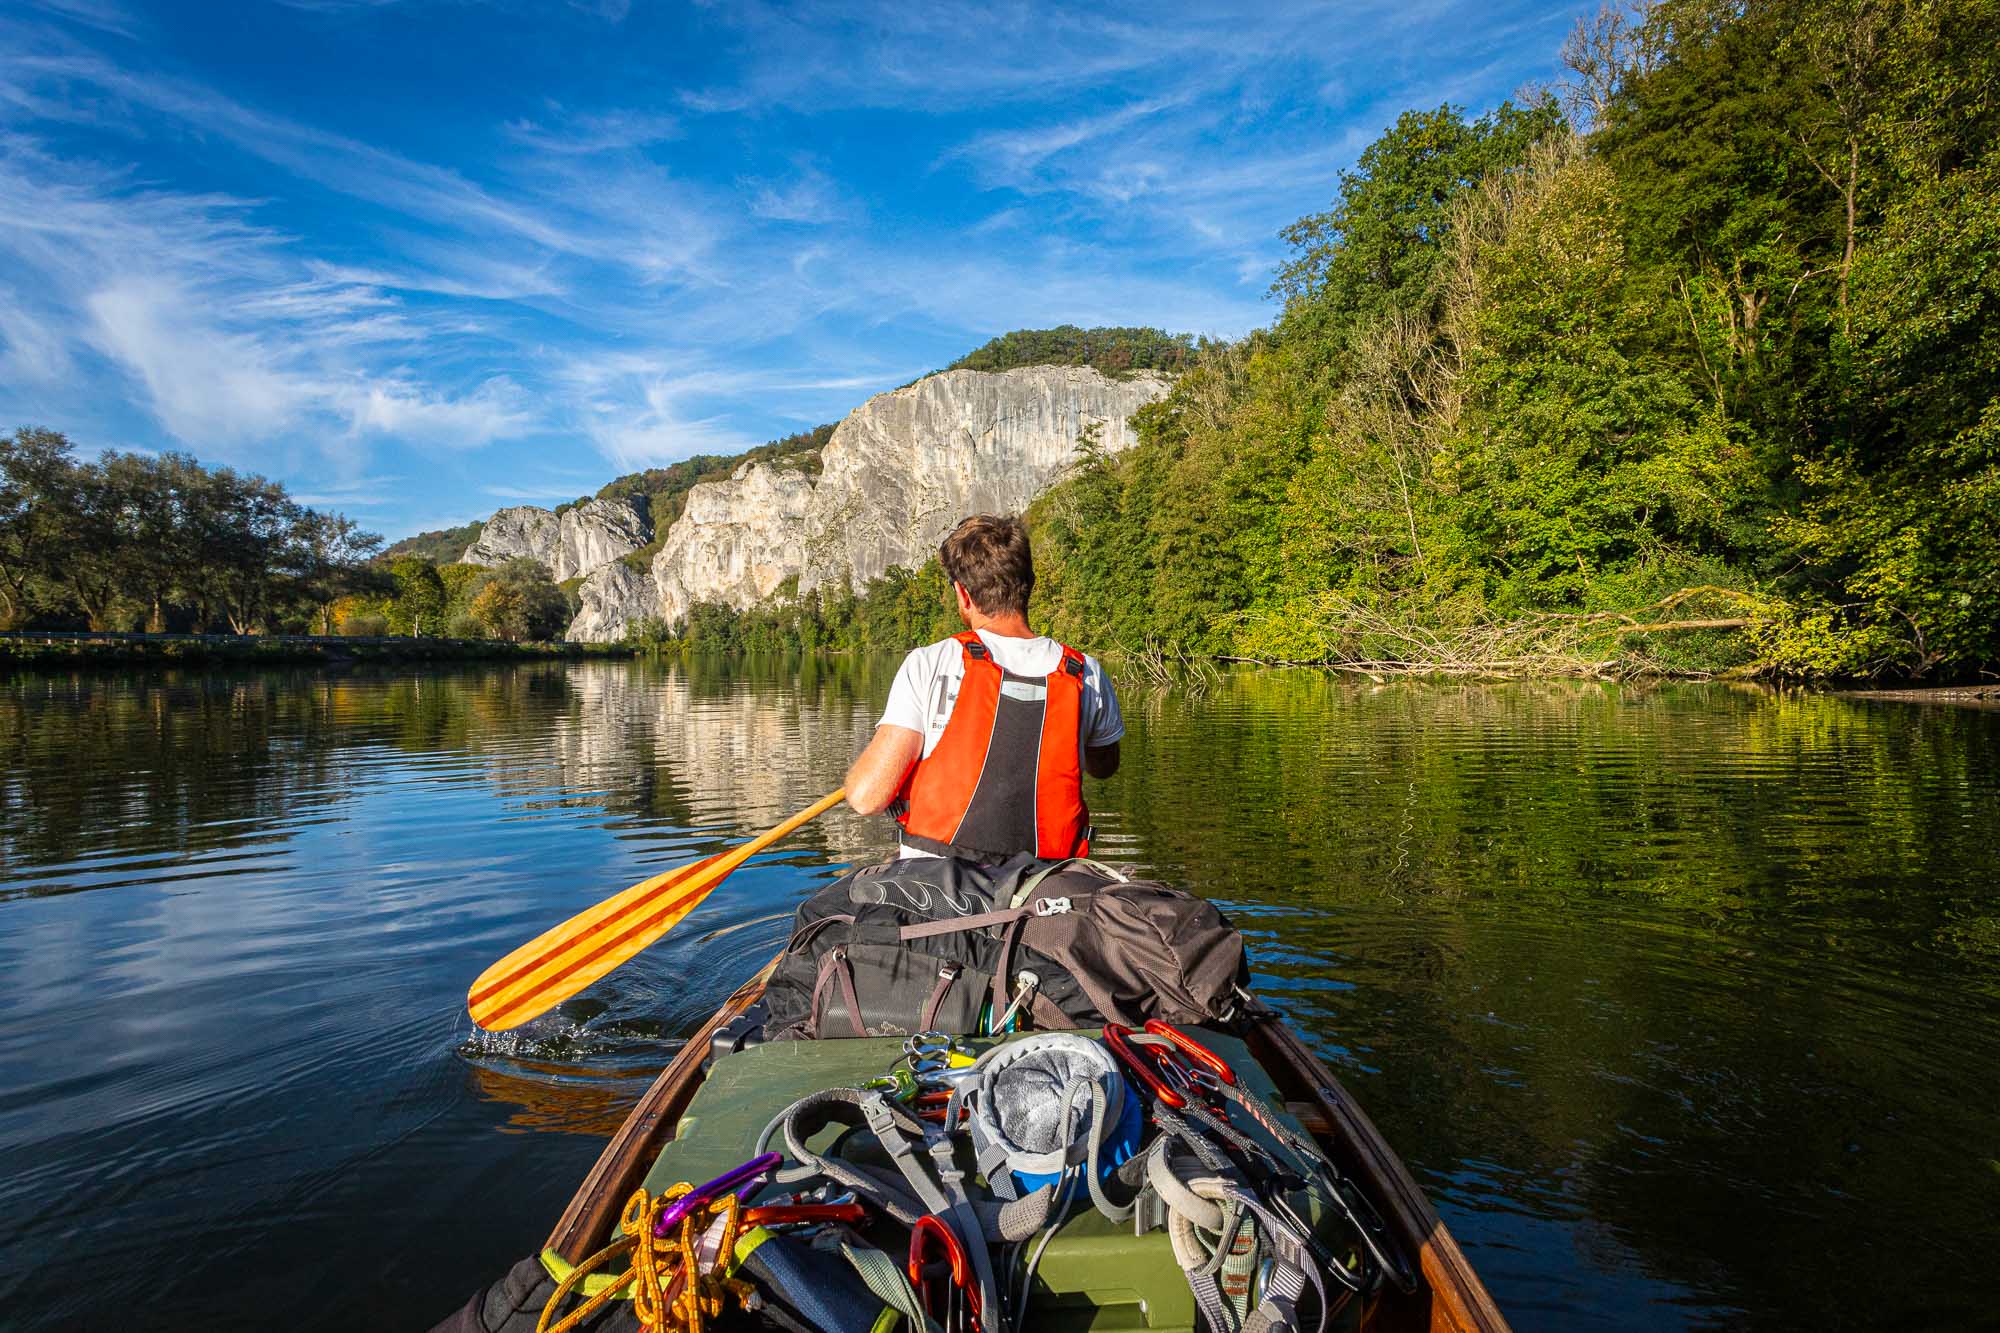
x: 1024, y: 986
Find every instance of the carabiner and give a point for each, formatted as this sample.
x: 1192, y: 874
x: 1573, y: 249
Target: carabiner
x: 742, y: 1179
x: 785, y: 1214
x: 898, y: 1083
x: 1208, y: 1060
x: 928, y: 1227
x: 1115, y: 1038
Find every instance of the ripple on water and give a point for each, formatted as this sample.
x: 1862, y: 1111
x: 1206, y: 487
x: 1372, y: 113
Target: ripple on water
x: 1676, y: 999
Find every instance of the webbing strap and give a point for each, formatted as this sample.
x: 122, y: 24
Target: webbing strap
x: 954, y: 925
x: 943, y: 1195
x: 840, y: 1103
x: 886, y: 1278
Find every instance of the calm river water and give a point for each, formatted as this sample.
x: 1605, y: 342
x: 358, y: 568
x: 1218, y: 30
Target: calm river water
x: 1683, y: 1002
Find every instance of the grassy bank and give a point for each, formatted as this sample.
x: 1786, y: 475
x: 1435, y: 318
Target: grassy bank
x: 37, y: 649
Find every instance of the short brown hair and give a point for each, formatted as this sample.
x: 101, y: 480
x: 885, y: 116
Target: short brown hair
x: 988, y: 556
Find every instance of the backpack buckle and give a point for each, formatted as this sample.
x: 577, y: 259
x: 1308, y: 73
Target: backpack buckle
x: 1051, y: 906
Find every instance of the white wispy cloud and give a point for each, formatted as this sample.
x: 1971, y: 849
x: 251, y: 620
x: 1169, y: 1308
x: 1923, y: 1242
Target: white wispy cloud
x: 843, y: 198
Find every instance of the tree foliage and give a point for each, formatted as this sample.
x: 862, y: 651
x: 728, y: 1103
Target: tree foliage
x: 127, y: 541
x: 1113, y: 351
x: 1705, y: 371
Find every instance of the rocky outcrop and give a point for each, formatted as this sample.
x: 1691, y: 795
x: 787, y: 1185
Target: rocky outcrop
x: 899, y: 472
x: 572, y: 544
x: 906, y: 466
x: 737, y: 541
x: 524, y: 530
x: 614, y: 596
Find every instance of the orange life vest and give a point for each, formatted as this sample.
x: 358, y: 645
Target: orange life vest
x: 1007, y: 774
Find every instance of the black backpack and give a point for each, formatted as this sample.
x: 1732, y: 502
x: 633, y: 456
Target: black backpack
x: 941, y: 944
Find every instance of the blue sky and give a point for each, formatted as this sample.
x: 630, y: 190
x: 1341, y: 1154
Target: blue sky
x: 423, y: 258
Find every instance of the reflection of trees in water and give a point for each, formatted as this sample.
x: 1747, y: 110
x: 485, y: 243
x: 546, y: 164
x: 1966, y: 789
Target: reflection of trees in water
x: 102, y: 766
x: 1707, y: 797
x: 1673, y: 965
x: 189, y: 763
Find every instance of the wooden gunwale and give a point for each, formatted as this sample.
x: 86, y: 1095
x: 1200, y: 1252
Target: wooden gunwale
x: 1449, y: 1298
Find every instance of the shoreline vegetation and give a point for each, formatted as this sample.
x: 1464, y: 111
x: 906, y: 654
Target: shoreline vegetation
x: 63, y: 649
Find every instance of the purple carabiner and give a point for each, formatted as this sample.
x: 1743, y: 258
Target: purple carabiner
x: 744, y: 1178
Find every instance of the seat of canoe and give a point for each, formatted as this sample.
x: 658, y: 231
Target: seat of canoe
x: 1095, y: 1274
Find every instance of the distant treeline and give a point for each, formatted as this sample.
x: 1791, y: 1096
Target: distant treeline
x: 899, y: 610
x: 1113, y: 351
x: 1695, y: 366
x: 162, y: 544
x: 127, y: 541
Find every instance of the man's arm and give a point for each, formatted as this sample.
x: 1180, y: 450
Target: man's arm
x: 1100, y: 761
x: 877, y: 775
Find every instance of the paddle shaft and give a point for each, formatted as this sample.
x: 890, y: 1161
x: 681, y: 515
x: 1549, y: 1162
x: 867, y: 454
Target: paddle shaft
x: 564, y: 960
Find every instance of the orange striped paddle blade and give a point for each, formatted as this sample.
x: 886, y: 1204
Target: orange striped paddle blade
x: 558, y: 963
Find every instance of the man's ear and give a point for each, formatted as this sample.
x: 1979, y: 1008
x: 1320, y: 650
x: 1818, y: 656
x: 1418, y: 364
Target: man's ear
x: 966, y: 606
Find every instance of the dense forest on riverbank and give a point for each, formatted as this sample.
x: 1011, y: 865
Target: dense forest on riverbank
x: 1690, y: 364
x: 1707, y: 339
x: 131, y: 541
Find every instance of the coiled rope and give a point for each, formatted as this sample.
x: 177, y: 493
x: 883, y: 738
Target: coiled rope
x: 671, y: 1292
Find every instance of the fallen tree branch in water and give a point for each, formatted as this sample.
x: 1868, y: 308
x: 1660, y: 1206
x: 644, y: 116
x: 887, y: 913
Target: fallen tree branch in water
x: 1355, y: 636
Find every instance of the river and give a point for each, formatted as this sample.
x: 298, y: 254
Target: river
x: 1683, y: 1001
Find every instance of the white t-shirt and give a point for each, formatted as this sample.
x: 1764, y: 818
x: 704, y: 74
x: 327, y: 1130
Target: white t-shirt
x: 926, y: 687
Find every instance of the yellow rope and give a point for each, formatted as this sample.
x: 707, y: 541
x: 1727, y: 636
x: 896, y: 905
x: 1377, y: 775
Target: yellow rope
x: 655, y: 1263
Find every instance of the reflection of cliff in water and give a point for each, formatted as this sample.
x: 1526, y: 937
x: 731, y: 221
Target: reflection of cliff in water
x: 688, y: 744
x: 174, y: 767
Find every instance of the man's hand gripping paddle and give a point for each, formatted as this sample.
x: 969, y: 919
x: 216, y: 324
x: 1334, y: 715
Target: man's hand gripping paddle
x: 558, y: 963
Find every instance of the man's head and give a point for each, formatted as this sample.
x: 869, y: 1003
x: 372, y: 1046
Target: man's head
x: 987, y: 556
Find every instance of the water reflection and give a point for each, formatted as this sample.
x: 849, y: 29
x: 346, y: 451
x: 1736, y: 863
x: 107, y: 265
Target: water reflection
x: 1680, y: 999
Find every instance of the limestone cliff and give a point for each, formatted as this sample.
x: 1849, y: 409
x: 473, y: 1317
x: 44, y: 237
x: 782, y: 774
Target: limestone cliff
x: 738, y: 540
x: 897, y: 474
x: 572, y: 544
x: 613, y: 596
x: 907, y: 466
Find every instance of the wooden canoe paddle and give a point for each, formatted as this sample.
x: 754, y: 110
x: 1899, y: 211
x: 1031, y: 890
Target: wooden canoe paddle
x: 558, y: 963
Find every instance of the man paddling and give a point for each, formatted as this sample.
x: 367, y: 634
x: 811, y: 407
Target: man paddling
x: 983, y: 745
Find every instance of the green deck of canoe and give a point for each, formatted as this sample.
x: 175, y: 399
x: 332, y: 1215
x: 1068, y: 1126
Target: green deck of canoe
x: 1094, y: 1275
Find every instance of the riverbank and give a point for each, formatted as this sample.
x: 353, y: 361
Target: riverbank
x: 62, y: 649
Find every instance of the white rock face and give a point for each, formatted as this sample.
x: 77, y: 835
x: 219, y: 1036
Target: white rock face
x: 906, y: 466
x: 737, y: 540
x: 898, y: 474
x: 573, y: 544
x: 614, y: 595
x: 524, y: 530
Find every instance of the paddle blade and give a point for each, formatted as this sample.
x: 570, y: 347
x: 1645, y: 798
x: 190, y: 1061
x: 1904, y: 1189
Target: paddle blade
x: 558, y: 963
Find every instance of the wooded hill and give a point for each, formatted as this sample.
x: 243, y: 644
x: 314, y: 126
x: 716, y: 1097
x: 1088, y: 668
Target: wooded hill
x: 1706, y: 338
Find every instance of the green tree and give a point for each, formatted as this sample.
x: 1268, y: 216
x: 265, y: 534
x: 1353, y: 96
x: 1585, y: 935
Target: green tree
x: 418, y: 606
x: 518, y: 600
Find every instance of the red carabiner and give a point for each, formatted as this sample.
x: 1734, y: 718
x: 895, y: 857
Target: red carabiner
x: 1115, y: 1035
x: 1192, y: 1049
x: 932, y: 1226
x: 782, y: 1214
